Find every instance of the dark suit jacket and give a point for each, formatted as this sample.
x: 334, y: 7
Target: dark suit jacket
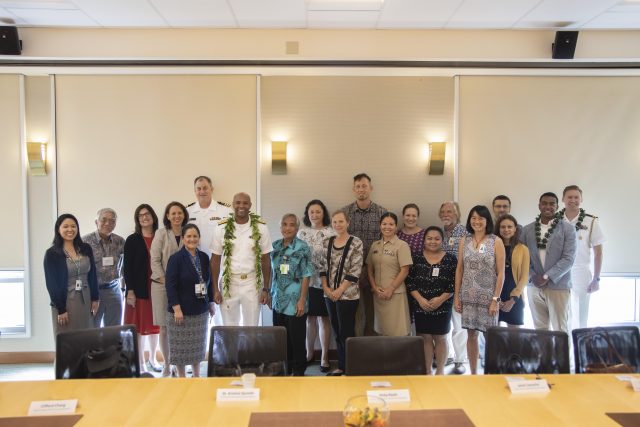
x: 561, y: 252
x: 136, y: 265
x: 180, y: 280
x: 56, y: 276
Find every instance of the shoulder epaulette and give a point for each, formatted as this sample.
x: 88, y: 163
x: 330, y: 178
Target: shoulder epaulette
x: 262, y: 221
x: 224, y: 204
x: 191, y: 204
x: 592, y: 216
x: 223, y: 221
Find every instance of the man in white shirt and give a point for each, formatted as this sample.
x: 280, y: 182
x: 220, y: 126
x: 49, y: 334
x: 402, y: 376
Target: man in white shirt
x: 206, y: 212
x: 590, y: 237
x: 240, y: 251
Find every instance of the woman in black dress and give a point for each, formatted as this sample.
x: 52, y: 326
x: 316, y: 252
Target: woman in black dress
x: 431, y: 282
x: 516, y: 272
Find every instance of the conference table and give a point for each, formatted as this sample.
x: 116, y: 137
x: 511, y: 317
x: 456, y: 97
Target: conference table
x: 486, y: 399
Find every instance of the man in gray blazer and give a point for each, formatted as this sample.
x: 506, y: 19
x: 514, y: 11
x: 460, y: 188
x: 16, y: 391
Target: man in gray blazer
x: 552, y: 247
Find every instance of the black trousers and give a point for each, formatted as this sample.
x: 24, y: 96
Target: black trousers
x: 296, y: 341
x: 342, y: 314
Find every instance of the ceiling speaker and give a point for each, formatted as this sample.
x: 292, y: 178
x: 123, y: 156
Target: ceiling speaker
x: 10, y: 44
x: 565, y: 45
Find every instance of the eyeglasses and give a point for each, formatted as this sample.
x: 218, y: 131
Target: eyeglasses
x: 144, y: 215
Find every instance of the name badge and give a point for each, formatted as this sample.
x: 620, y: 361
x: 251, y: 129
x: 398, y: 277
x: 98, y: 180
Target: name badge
x: 201, y: 290
x: 451, y: 241
x: 284, y: 268
x: 435, y: 271
x: 107, y: 261
x: 238, y: 395
x: 399, y: 395
x: 482, y: 249
x: 78, y: 285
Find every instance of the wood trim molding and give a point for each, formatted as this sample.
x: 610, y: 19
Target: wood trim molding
x: 27, y: 357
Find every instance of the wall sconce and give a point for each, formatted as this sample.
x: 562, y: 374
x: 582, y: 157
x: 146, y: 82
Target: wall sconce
x: 37, y: 157
x: 278, y: 157
x: 436, y: 157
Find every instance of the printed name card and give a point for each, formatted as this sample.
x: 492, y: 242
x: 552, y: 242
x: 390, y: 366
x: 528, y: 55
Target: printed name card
x: 635, y: 383
x: 53, y: 407
x: 380, y: 384
x: 528, y: 386
x: 238, y: 395
x: 390, y: 396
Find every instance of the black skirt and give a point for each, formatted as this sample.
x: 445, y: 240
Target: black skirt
x: 439, y: 324
x: 317, y: 306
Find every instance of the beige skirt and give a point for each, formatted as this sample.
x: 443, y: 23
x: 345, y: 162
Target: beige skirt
x: 392, y: 316
x: 159, y: 303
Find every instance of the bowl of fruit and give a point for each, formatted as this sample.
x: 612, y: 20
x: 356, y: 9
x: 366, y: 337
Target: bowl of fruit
x: 366, y: 411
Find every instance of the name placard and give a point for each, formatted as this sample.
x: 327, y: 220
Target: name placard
x: 238, y: 395
x: 635, y: 383
x: 529, y: 386
x: 53, y: 407
x: 391, y: 396
x: 380, y: 384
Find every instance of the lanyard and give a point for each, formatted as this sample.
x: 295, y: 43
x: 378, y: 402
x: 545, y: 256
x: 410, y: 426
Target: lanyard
x: 74, y: 263
x: 195, y: 260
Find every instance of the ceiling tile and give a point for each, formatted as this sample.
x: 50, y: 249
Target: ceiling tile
x: 490, y: 13
x: 195, y: 13
x: 564, y: 12
x: 353, y: 5
x: 54, y: 17
x: 122, y: 13
x: 610, y: 20
x: 269, y: 14
x: 417, y: 13
x: 342, y: 19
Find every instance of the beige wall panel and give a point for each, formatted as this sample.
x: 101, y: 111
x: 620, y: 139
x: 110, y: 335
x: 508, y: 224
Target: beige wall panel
x: 11, y: 254
x: 339, y: 126
x: 125, y: 140
x: 522, y: 136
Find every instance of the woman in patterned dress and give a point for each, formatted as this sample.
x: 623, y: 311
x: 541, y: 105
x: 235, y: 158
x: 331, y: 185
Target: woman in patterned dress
x: 479, y: 279
x: 410, y: 231
x: 317, y: 230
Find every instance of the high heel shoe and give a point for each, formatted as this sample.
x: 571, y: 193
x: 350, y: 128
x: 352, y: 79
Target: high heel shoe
x: 325, y: 369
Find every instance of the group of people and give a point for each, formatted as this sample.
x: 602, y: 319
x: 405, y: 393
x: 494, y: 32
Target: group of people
x: 355, y: 271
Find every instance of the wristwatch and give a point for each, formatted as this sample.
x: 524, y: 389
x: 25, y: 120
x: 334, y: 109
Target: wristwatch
x: 496, y: 299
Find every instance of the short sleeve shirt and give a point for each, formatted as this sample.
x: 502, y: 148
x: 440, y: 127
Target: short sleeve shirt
x: 290, y: 265
x: 207, y: 220
x: 242, y: 256
x: 315, y: 239
x: 107, y: 255
x: 452, y: 239
x: 365, y: 223
x: 589, y: 235
x: 387, y: 258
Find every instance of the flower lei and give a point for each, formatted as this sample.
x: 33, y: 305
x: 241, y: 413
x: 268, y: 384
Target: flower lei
x: 581, y: 216
x: 227, y: 246
x: 542, y: 242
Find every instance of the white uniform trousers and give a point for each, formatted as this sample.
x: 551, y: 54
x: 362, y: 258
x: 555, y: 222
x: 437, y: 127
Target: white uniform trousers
x: 550, y: 307
x: 580, y: 279
x: 458, y: 338
x: 242, y: 307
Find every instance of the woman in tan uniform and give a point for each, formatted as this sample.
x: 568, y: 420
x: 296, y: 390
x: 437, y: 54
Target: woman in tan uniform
x: 388, y: 264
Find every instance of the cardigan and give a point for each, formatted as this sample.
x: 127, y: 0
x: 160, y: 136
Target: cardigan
x: 136, y: 265
x: 56, y: 276
x: 180, y: 281
x: 520, y: 268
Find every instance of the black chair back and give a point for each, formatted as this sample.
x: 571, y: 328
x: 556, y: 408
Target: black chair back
x: 592, y: 346
x: 385, y: 356
x: 237, y: 350
x: 109, y: 352
x: 526, y: 351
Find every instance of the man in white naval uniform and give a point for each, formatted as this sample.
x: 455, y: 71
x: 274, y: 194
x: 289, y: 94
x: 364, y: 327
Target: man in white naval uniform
x: 590, y: 237
x: 240, y: 265
x: 206, y: 212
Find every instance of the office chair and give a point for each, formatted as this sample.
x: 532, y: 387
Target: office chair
x: 526, y: 351
x: 109, y: 352
x: 237, y: 350
x: 385, y: 356
x: 610, y: 345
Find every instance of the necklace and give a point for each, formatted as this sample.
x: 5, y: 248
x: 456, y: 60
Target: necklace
x: 227, y: 246
x: 581, y: 215
x: 542, y: 242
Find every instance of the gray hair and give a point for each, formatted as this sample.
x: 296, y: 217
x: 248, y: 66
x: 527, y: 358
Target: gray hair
x: 104, y: 211
x: 456, y: 207
x: 290, y: 215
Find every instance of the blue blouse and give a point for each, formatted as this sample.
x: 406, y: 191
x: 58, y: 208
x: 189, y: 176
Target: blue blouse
x: 286, y: 283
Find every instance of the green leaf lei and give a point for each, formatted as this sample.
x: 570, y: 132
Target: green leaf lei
x: 581, y: 216
x: 542, y: 242
x: 227, y: 246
